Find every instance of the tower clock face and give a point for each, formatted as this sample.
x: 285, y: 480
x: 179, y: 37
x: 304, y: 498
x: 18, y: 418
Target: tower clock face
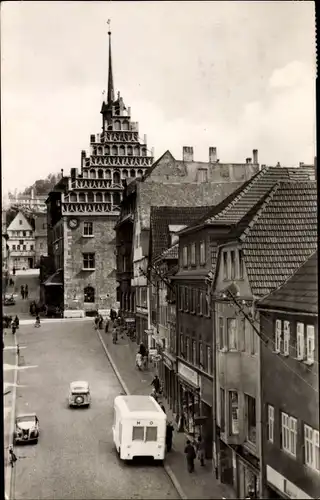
x: 73, y: 223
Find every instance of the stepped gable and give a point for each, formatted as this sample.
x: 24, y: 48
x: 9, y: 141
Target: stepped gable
x: 281, y: 236
x: 162, y: 217
x: 299, y: 292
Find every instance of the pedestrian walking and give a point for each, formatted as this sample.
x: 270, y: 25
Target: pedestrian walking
x: 169, y: 436
x: 22, y: 291
x: 106, y: 328
x: 201, y: 449
x: 13, y: 328
x: 37, y: 323
x: 96, y: 322
x: 191, y: 455
x: 156, y: 384
x: 113, y: 314
x: 12, y: 456
x: 100, y: 322
x: 16, y: 321
x: 114, y: 336
x: 14, y: 271
x: 138, y: 360
x: 26, y: 292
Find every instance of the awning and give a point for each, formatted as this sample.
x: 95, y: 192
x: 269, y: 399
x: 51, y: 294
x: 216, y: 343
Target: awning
x: 56, y: 279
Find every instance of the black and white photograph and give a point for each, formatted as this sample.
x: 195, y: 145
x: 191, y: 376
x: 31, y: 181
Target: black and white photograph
x: 159, y: 250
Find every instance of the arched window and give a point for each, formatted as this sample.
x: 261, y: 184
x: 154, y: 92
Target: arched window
x: 88, y: 293
x: 107, y: 150
x: 140, y: 173
x: 85, y: 174
x: 136, y: 151
x: 116, y: 199
x: 92, y: 174
x: 125, y: 125
x: 114, y: 150
x: 94, y: 151
x: 82, y: 197
x: 108, y: 174
x: 99, y: 197
x: 73, y: 197
x: 144, y: 152
x: 121, y: 150
x: 90, y: 197
x: 125, y: 173
x: 99, y: 150
x: 129, y: 150
x: 117, y: 125
x: 116, y: 178
x: 132, y: 173
x: 107, y: 197
x: 100, y: 173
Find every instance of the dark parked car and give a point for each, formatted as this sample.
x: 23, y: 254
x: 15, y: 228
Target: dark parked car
x: 8, y: 300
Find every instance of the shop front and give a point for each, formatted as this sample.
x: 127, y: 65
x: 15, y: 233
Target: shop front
x: 168, y: 373
x: 206, y: 414
x: 248, y: 476
x: 141, y: 327
x: 189, y: 399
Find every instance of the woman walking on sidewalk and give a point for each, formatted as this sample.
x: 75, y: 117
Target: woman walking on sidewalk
x: 191, y: 455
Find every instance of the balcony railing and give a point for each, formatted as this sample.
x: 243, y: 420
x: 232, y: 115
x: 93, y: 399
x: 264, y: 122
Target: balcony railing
x: 22, y: 253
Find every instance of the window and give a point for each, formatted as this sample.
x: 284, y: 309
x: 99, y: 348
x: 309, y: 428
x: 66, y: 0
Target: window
x: 241, y: 265
x: 201, y: 355
x: 311, y: 448
x: 20, y: 222
x: 194, y: 353
x: 286, y: 337
x: 209, y: 360
x: 88, y: 293
x: 233, y: 264
x: 13, y: 247
x: 181, y: 344
x: 233, y: 413
x: 201, y: 303
x: 186, y: 302
x: 24, y: 247
x: 137, y: 433
x: 310, y: 344
x: 18, y: 247
x: 202, y: 253
x: 88, y: 261
x: 193, y: 254
x: 151, y: 433
x: 251, y: 418
x: 231, y: 328
x: 206, y: 305
x: 278, y: 331
x: 20, y: 242
x: 203, y: 175
x: 225, y: 265
x: 221, y: 333
x: 31, y: 247
x: 24, y: 233
x: 222, y: 410
x: 270, y: 423
x: 185, y: 256
x: 87, y: 229
x: 192, y: 300
x: 289, y: 434
x: 300, y: 340
x: 187, y: 353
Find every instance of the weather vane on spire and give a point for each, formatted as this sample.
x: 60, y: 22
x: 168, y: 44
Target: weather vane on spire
x: 109, y: 25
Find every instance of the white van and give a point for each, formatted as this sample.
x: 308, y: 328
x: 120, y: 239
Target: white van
x: 139, y: 427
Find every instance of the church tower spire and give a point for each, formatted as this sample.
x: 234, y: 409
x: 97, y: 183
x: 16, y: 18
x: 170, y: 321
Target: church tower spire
x: 110, y: 74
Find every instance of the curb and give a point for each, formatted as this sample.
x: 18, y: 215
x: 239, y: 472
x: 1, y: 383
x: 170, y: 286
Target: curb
x: 166, y: 467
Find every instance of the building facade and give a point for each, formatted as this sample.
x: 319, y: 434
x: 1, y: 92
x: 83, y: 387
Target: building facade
x: 21, y: 243
x: 290, y: 390
x: 40, y: 237
x: 88, y: 204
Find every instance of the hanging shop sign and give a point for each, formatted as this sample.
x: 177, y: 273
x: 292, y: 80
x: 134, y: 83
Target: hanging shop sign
x: 188, y: 374
x: 169, y: 364
x: 207, y: 390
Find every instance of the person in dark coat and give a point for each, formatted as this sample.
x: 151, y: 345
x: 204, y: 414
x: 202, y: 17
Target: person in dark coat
x: 156, y: 384
x: 100, y: 322
x: 113, y: 314
x: 169, y: 435
x: 107, y: 325
x: 26, y: 292
x: 14, y: 271
x: 142, y: 350
x: 14, y: 328
x: 191, y: 455
x: 22, y: 291
x: 16, y: 321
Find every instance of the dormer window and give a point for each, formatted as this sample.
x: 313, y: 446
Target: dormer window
x: 185, y: 256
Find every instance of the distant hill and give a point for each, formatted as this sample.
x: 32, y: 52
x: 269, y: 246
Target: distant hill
x: 43, y: 186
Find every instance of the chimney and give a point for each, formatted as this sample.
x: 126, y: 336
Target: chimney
x: 278, y: 164
x: 83, y: 156
x: 187, y: 153
x: 145, y: 138
x: 255, y: 156
x: 247, y: 160
x: 301, y: 163
x: 92, y: 138
x: 129, y: 111
x: 74, y: 173
x: 212, y: 155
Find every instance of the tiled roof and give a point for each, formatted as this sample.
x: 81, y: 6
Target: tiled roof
x: 281, y: 236
x: 299, y: 292
x: 162, y: 217
x: 233, y: 209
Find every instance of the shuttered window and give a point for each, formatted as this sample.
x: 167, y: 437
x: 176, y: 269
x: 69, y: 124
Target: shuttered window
x: 278, y: 331
x: 286, y: 337
x: 310, y: 344
x: 270, y: 423
x: 300, y: 341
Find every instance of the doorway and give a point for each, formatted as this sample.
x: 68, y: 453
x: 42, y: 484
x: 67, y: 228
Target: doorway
x: 30, y: 262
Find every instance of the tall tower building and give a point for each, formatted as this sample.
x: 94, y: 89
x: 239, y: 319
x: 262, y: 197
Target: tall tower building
x: 83, y: 209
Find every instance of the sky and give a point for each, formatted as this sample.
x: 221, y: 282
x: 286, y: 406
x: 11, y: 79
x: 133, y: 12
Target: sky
x: 235, y: 75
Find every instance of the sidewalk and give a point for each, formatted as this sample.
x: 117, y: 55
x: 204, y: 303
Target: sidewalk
x: 200, y: 485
